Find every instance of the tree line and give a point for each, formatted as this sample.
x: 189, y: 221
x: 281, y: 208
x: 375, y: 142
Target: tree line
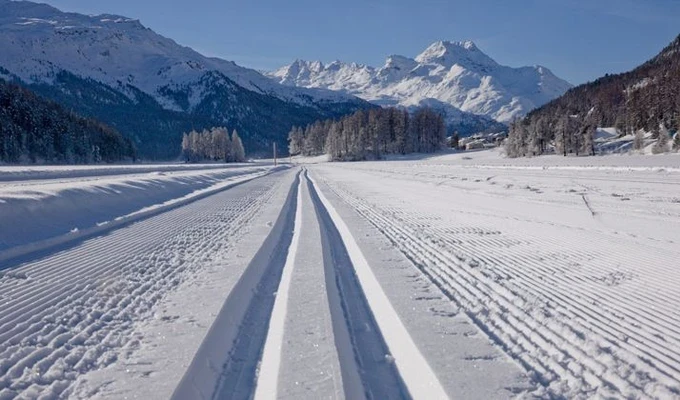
x: 213, y: 145
x: 371, y: 135
x: 33, y: 130
x: 644, y: 99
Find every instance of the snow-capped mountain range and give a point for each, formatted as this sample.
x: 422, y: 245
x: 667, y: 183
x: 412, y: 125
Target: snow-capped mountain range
x: 457, y: 74
x: 38, y: 40
x: 147, y: 86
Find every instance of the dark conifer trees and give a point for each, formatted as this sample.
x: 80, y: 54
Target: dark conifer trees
x: 371, y: 135
x: 646, y: 98
x: 33, y: 129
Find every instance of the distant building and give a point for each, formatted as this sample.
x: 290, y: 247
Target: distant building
x: 482, y: 141
x: 477, y: 144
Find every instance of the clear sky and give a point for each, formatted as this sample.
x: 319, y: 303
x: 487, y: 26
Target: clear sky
x: 579, y: 40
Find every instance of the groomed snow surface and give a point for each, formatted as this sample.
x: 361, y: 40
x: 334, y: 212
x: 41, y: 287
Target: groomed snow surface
x: 454, y: 276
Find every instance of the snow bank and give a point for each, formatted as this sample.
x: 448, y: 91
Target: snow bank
x: 35, y: 213
x: 30, y: 172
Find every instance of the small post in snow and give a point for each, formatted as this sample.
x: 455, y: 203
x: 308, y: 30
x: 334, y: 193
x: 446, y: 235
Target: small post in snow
x: 275, y: 163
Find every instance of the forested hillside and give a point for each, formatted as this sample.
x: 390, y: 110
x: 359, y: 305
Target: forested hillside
x: 646, y: 98
x: 157, y: 132
x: 371, y: 135
x: 33, y: 129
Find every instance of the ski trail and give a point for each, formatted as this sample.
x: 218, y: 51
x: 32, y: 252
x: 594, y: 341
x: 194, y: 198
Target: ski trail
x: 377, y: 357
x: 225, y: 365
x: 266, y: 387
x: 419, y: 379
x: 73, y: 312
x: 366, y: 363
x: 317, y: 344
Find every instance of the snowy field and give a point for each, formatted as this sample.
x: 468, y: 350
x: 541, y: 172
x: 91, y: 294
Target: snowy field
x: 459, y: 275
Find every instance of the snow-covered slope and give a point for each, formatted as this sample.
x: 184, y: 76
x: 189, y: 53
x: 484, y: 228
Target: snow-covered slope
x: 38, y: 40
x: 455, y: 73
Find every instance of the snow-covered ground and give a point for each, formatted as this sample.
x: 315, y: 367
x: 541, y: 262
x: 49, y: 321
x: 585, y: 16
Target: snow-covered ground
x: 568, y: 265
x: 461, y: 275
x: 493, y: 158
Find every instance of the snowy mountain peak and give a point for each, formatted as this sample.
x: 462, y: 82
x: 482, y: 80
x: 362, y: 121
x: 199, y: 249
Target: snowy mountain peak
x: 468, y: 44
x: 464, y: 53
x: 400, y: 62
x: 29, y: 15
x: 23, y: 8
x: 396, y: 67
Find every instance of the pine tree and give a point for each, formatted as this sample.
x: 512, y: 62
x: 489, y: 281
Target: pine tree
x: 588, y: 140
x: 296, y: 139
x: 661, y: 145
x: 222, y: 144
x: 403, y: 143
x: 510, y: 145
x: 383, y: 132
x: 214, y: 145
x: 561, y: 141
x: 333, y: 142
x: 438, y: 138
x: 533, y: 140
x: 455, y: 139
x: 33, y: 129
x: 186, y: 147
x: 317, y: 138
x: 374, y: 133
x: 577, y: 134
x: 638, y: 140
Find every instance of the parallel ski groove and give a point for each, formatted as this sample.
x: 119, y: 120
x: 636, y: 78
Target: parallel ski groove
x: 267, y: 380
x: 418, y: 377
x: 429, y: 248
x: 77, y: 313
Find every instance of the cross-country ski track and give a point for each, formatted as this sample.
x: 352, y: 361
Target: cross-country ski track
x: 420, y: 279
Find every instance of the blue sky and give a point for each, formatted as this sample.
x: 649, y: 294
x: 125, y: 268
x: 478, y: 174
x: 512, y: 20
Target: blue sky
x: 579, y: 40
